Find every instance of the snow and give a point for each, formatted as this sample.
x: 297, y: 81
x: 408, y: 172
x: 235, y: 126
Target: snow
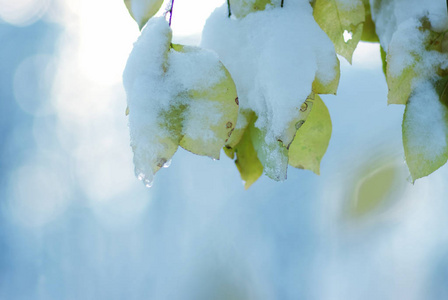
x: 388, y: 15
x: 241, y: 8
x: 273, y: 57
x: 403, y: 32
x: 408, y: 47
x: 406, y: 44
x: 158, y: 80
x: 426, y: 117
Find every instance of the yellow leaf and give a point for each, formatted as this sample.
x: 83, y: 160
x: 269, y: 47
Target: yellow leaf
x: 312, y: 139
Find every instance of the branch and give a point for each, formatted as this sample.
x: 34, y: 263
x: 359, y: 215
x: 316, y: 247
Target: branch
x: 171, y: 11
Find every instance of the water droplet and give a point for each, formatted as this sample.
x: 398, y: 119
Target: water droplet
x: 147, y: 178
x: 148, y: 183
x: 167, y: 164
x: 141, y: 176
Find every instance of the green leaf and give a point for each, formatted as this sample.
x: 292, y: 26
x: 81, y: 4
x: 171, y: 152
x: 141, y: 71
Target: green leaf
x: 400, y: 87
x: 241, y: 8
x: 247, y: 160
x: 200, y: 116
x: 164, y: 142
x: 376, y: 186
x: 338, y: 19
x: 244, y: 118
x: 312, y: 139
x: 319, y: 87
x: 425, y: 135
x: 368, y: 31
x: 383, y: 59
x: 272, y: 154
x: 302, y: 114
x: 212, y: 111
x: 142, y: 10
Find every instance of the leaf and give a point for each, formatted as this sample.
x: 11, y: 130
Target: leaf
x: 142, y: 10
x: 377, y: 185
x: 241, y: 8
x: 320, y: 87
x: 244, y: 118
x: 302, y: 114
x: 272, y: 154
x: 383, y: 59
x: 177, y: 95
x: 340, y: 21
x: 247, y: 161
x: 425, y: 132
x: 399, y: 87
x: 312, y: 139
x: 211, y: 115
x: 368, y: 31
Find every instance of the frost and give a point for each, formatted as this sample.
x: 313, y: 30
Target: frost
x: 274, y: 57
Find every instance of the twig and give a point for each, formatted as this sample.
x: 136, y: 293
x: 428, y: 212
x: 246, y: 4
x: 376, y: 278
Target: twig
x: 230, y: 13
x: 171, y: 11
x: 282, y: 3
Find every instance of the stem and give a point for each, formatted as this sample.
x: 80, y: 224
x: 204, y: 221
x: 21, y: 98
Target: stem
x: 171, y: 11
x: 283, y: 0
x: 230, y: 13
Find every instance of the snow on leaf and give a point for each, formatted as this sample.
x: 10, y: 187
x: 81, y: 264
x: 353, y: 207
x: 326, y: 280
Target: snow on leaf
x: 241, y: 8
x: 274, y: 56
x: 177, y: 95
x: 337, y: 17
x: 400, y: 87
x: 322, y: 86
x: 302, y: 113
x: 312, y: 138
x: 425, y: 129
x: 272, y: 154
x: 142, y: 10
x: 212, y: 111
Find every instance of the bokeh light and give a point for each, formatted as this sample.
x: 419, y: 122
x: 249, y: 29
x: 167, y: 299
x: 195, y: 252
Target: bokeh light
x: 22, y: 12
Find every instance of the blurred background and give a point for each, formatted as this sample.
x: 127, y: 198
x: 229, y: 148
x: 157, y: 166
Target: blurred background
x: 75, y: 223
